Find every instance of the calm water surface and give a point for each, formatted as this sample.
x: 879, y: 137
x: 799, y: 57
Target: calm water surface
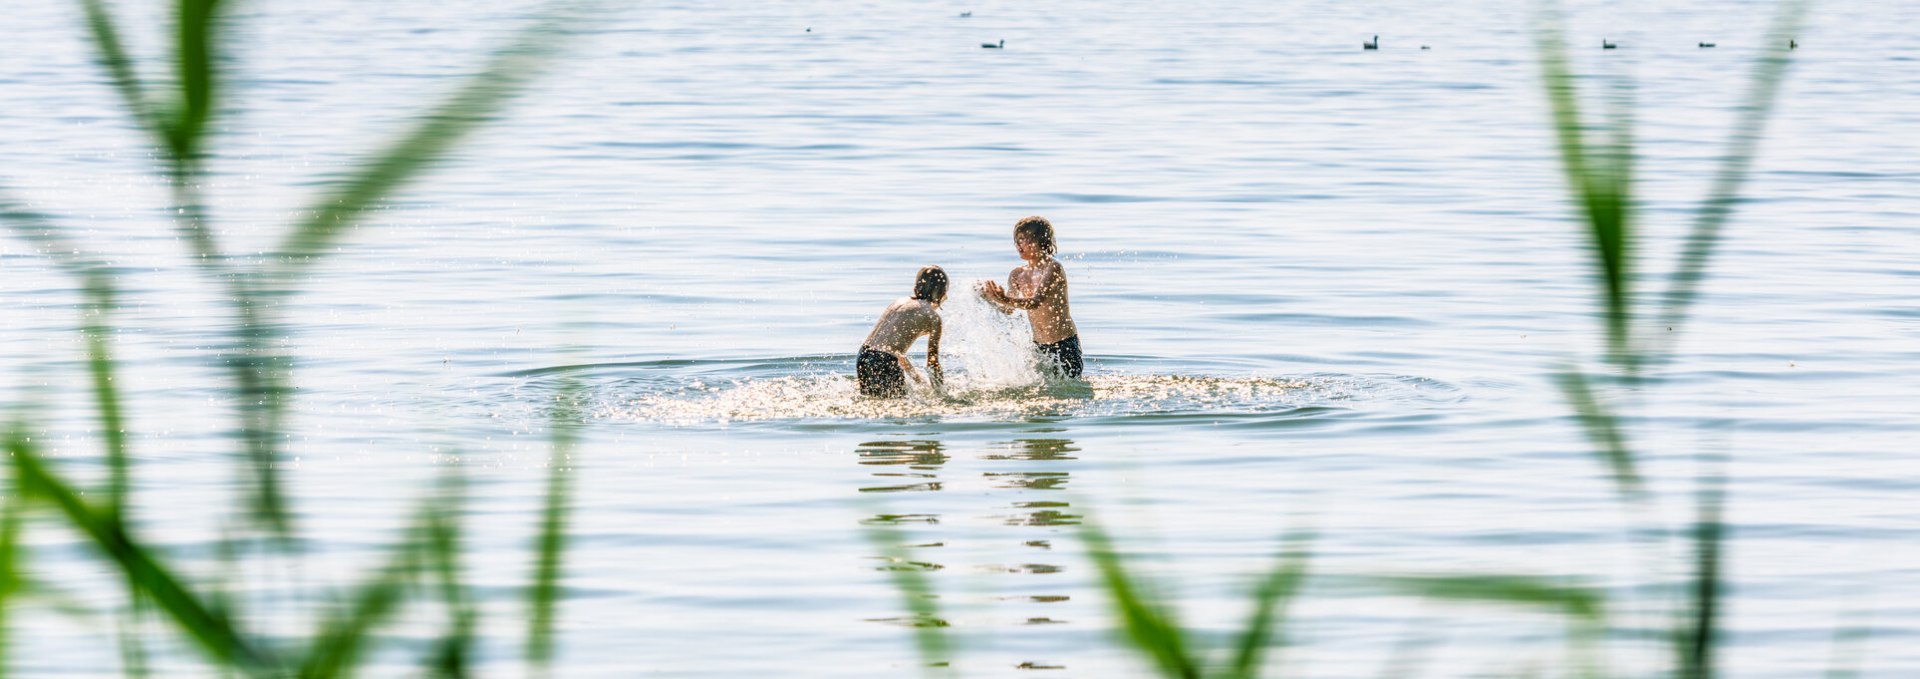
x: 1318, y: 286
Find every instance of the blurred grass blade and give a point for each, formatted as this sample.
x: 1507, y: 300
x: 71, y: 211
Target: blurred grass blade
x: 112, y: 54
x: 1603, y: 429
x: 344, y: 641
x: 1699, y: 635
x: 1763, y: 89
x: 10, y: 570
x: 453, y: 653
x: 1578, y: 602
x: 1583, y: 606
x: 430, y: 140
x: 197, y: 34
x: 1149, y: 625
x: 1601, y: 183
x: 917, y: 592
x: 209, y: 628
x: 96, y: 327
x: 106, y: 395
x: 544, y: 595
x: 1269, y: 610
x: 1848, y: 648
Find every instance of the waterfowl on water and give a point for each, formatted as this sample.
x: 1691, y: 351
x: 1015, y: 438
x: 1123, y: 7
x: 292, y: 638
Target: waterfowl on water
x: 964, y: 15
x: 1706, y: 44
x: 1424, y: 47
x: 1607, y: 45
x: 991, y: 46
x: 1371, y: 45
x: 1792, y: 45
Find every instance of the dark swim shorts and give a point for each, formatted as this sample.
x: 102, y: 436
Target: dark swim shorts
x: 879, y: 374
x: 1062, y: 357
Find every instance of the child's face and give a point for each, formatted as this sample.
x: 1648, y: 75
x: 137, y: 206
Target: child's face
x: 1029, y: 250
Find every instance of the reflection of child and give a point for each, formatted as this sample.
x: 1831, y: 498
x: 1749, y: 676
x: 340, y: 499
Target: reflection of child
x: 883, y: 366
x: 1040, y: 287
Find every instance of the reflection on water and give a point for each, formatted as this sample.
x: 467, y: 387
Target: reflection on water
x: 1001, y: 524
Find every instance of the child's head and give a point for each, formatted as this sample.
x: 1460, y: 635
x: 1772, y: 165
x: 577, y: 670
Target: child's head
x: 930, y: 284
x: 1035, y: 233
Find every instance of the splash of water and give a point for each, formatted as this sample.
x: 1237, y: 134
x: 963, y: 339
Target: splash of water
x: 983, y: 348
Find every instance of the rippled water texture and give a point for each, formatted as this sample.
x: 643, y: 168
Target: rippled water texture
x: 1317, y: 286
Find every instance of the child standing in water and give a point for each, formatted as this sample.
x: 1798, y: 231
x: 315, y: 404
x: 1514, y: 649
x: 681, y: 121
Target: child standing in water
x: 883, y: 366
x: 1040, y: 287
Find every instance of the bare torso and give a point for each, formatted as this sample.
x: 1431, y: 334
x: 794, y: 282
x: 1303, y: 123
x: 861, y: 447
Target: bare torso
x: 1044, y: 282
x: 904, y: 321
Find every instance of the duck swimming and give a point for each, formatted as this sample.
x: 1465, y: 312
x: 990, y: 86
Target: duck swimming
x: 1371, y: 45
x: 991, y: 46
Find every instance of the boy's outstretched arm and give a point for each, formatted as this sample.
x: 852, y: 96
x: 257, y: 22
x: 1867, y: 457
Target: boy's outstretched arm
x: 1001, y: 298
x: 991, y: 292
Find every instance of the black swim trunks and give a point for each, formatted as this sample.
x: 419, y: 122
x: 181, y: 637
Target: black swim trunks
x: 1062, y: 357
x: 879, y: 374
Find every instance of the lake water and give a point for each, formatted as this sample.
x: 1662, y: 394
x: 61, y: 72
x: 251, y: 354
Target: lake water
x: 1318, y: 286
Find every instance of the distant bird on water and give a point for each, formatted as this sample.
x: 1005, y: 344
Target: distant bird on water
x: 1607, y: 45
x: 1793, y: 45
x: 1706, y: 45
x: 1424, y: 47
x: 1371, y: 45
x: 991, y: 46
x: 964, y: 15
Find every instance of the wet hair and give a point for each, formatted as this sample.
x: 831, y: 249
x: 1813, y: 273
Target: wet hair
x: 1038, y: 230
x: 930, y: 284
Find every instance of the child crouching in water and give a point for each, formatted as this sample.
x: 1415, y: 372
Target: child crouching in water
x: 883, y: 366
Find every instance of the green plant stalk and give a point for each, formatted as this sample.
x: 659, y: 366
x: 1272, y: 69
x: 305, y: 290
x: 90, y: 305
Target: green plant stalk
x: 213, y: 632
x: 1276, y: 590
x: 453, y: 653
x: 345, y: 641
x: 1608, y: 438
x: 198, y: 40
x: 917, y: 592
x: 1583, y: 606
x: 544, y: 594
x: 1763, y: 90
x: 1602, y: 185
x: 1698, y: 637
x: 1149, y: 625
x: 10, y: 571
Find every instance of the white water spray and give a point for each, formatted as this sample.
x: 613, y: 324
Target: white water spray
x: 982, y: 348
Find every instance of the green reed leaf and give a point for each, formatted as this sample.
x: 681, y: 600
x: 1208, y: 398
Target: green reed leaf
x: 922, y: 601
x: 196, y: 54
x: 345, y: 640
x: 11, y: 581
x: 543, y: 596
x: 453, y: 653
x: 1149, y: 624
x: 210, y: 628
x: 1604, y: 431
x: 1763, y: 90
x: 1601, y: 181
x: 431, y: 139
x: 1576, y: 601
x: 1698, y: 636
x: 1276, y: 590
x: 111, y: 52
x: 97, y: 289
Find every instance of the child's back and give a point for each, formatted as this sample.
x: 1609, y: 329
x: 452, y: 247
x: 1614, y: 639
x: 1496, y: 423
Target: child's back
x: 883, y: 367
